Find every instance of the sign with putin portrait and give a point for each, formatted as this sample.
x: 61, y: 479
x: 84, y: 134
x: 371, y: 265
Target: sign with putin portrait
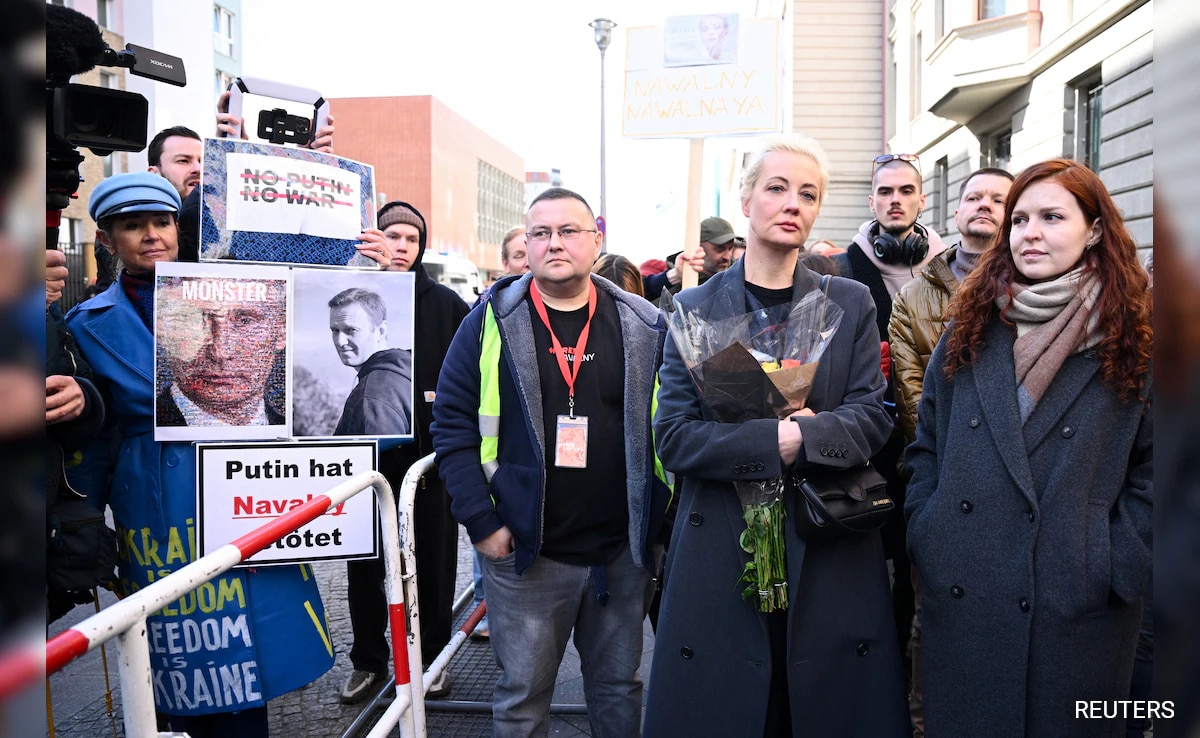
x: 222, y: 365
x: 253, y: 352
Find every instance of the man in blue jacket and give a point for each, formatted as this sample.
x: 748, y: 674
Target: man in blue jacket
x: 542, y: 431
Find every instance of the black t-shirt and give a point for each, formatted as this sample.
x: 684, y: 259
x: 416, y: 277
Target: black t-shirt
x: 768, y: 298
x: 586, y: 517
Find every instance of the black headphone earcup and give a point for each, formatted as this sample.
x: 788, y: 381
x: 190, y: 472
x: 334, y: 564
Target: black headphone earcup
x: 885, y: 245
x: 916, y: 245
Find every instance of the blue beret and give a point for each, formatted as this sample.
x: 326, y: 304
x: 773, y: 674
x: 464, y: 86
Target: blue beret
x: 136, y: 192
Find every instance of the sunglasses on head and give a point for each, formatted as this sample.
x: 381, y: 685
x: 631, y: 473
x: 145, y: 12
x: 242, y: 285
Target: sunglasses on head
x: 885, y: 158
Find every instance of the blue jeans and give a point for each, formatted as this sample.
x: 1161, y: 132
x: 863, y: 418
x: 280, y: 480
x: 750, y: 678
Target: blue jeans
x: 477, y: 575
x: 532, y: 616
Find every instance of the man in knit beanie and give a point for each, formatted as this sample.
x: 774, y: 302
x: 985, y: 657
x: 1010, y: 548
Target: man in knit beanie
x: 437, y: 312
x: 405, y: 231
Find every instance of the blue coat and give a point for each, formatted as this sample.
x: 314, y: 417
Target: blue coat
x: 237, y: 641
x: 712, y: 654
x: 1033, y: 544
x: 516, y: 494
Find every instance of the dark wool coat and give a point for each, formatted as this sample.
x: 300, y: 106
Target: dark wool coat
x: 712, y: 655
x: 1033, y: 544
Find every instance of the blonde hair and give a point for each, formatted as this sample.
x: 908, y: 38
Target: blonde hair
x: 512, y: 233
x: 795, y: 143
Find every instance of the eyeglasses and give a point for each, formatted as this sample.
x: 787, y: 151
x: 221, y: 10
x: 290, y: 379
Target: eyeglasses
x: 543, y: 235
x: 885, y: 158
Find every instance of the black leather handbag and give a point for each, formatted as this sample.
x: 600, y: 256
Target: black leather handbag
x: 837, y: 502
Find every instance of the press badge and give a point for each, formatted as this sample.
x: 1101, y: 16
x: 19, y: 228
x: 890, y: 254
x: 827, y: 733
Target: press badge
x: 570, y: 444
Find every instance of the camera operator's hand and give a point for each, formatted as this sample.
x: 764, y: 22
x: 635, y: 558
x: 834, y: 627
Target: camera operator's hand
x: 56, y: 275
x: 375, y: 246
x: 64, y: 399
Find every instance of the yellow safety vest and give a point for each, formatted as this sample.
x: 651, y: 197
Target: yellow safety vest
x: 489, y: 403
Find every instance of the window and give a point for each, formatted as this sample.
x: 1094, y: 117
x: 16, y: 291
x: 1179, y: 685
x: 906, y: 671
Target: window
x: 222, y: 31
x: 917, y: 61
x: 109, y: 80
x: 992, y: 8
x: 942, y: 211
x: 499, y: 203
x: 108, y: 165
x: 999, y: 149
x: 939, y: 19
x: 221, y: 81
x: 104, y: 13
x: 70, y: 235
x: 1088, y: 111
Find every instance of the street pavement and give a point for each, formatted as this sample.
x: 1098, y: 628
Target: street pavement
x: 80, y: 705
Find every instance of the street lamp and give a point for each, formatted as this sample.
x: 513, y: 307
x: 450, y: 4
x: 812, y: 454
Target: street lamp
x: 603, y: 28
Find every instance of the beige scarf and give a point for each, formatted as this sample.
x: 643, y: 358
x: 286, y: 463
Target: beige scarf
x: 1054, y: 320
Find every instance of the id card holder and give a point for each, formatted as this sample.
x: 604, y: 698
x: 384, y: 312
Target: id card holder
x: 570, y: 442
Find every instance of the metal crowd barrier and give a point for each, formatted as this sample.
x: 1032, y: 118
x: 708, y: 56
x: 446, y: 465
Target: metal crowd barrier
x: 126, y: 620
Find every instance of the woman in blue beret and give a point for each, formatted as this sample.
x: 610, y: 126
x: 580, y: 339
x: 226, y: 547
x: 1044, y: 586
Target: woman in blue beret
x: 220, y: 652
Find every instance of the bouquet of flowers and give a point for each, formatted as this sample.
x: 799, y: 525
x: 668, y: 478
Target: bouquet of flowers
x: 757, y: 364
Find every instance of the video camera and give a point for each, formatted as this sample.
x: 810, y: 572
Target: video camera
x: 97, y: 118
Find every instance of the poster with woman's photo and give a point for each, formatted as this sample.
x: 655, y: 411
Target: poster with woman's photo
x: 221, y: 352
x: 694, y: 40
x: 352, y: 339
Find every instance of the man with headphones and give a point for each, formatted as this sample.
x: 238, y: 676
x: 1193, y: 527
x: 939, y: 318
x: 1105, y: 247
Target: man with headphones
x: 893, y: 248
x: 885, y: 254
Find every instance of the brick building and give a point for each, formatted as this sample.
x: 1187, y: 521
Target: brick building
x: 468, y: 186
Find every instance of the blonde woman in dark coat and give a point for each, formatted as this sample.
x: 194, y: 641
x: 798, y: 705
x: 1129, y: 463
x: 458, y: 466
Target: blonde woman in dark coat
x: 829, y: 664
x: 1029, y: 510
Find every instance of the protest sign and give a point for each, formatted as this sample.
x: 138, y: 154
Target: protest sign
x: 676, y: 86
x: 281, y: 204
x: 240, y: 487
x: 353, y: 338
x: 221, y: 358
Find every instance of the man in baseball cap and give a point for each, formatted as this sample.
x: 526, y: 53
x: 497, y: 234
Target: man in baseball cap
x: 716, y: 238
x: 717, y: 242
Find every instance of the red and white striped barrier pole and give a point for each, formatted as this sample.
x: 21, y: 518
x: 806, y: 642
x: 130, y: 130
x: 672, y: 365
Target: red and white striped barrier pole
x: 408, y: 661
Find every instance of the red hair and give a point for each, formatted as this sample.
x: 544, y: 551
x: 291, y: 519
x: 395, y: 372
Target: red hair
x: 1122, y: 307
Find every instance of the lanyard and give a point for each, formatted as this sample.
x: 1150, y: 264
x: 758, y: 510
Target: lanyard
x: 580, y: 345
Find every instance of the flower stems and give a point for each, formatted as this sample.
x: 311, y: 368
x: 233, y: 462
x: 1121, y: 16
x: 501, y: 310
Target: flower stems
x: 765, y: 574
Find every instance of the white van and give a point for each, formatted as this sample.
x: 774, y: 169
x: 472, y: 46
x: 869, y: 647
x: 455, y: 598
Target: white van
x: 456, y: 272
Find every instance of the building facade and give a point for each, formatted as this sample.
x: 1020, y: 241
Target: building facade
x: 1010, y: 83
x: 209, y: 62
x: 212, y: 61
x: 469, y: 199
x: 834, y: 92
x: 538, y: 182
